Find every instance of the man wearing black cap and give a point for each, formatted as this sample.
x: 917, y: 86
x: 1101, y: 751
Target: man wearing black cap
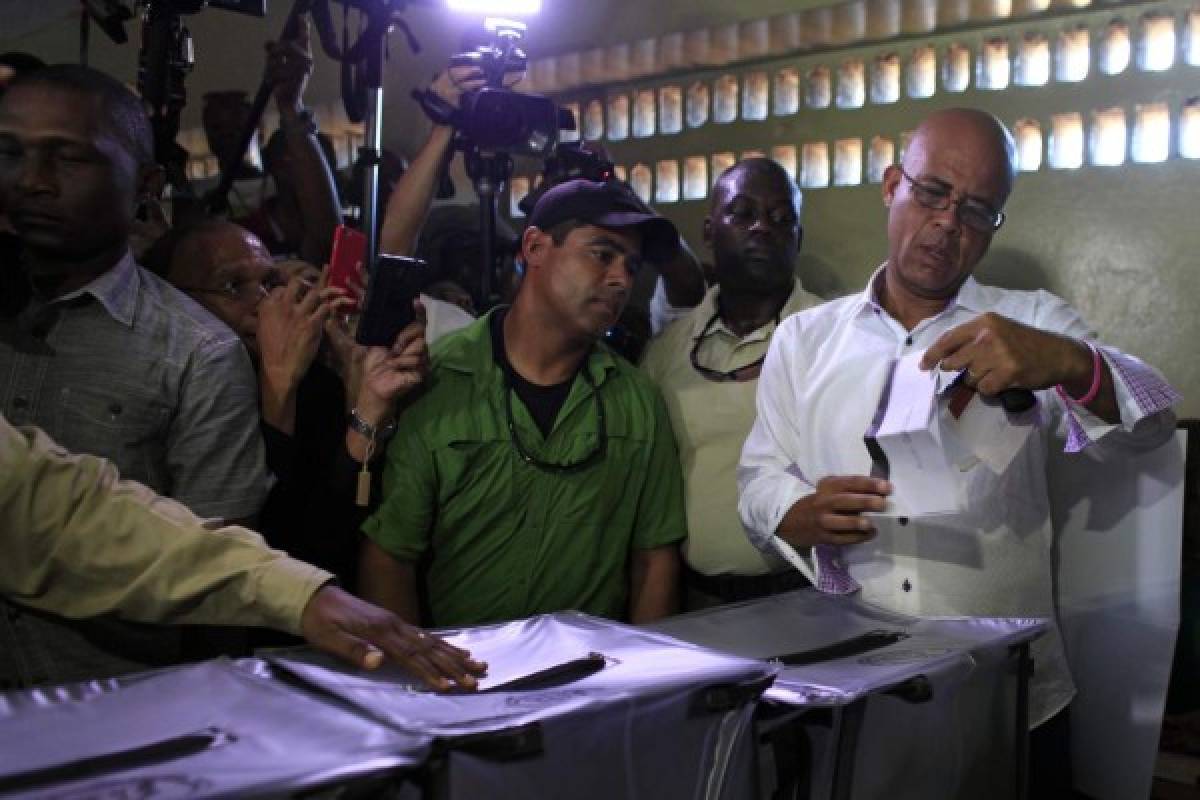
x: 538, y: 472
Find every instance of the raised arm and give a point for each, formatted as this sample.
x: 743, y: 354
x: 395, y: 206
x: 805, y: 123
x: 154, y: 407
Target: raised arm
x: 409, y: 204
x: 80, y: 542
x: 289, y: 65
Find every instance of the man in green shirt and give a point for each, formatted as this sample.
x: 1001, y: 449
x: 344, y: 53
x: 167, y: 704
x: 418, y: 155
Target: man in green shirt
x: 538, y: 471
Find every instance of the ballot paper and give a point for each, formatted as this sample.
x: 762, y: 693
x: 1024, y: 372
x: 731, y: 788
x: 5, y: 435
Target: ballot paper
x: 990, y: 434
x: 923, y: 479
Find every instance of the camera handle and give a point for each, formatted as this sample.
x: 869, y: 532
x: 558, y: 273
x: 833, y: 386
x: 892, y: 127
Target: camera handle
x: 490, y: 173
x: 164, y: 60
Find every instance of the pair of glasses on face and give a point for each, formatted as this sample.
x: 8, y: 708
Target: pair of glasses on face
x: 529, y: 458
x: 746, y: 372
x: 975, y: 214
x: 245, y: 289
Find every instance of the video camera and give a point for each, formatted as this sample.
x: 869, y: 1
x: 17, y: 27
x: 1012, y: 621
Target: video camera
x: 494, y: 118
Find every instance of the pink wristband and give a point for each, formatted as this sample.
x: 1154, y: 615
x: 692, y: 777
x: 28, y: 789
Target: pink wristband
x: 1094, y: 390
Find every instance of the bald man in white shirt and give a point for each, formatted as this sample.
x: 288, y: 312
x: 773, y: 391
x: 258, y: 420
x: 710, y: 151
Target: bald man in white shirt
x: 804, y: 471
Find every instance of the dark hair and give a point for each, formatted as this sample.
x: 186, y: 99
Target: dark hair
x: 124, y: 113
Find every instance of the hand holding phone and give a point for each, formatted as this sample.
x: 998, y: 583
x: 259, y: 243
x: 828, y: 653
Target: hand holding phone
x: 349, y: 252
x: 389, y: 307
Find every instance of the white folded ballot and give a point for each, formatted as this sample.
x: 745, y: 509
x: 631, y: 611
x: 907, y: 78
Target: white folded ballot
x: 931, y: 434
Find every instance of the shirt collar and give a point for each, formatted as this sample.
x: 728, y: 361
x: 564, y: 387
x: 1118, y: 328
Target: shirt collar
x: 707, y: 309
x: 470, y: 351
x: 116, y: 290
x: 968, y: 297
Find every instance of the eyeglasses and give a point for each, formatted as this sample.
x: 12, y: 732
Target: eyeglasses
x: 975, y: 214
x: 246, y: 289
x: 529, y: 458
x: 747, y: 372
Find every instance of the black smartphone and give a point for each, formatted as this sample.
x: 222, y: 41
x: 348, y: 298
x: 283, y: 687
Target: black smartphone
x: 396, y: 282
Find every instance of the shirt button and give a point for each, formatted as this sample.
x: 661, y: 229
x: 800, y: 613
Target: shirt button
x: 906, y: 586
x: 115, y: 409
x: 908, y: 341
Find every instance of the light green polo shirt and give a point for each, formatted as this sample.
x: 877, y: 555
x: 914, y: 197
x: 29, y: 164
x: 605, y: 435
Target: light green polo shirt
x: 711, y: 420
x: 501, y: 539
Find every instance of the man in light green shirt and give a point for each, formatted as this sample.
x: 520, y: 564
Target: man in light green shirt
x: 707, y: 365
x: 79, y: 542
x: 538, y: 471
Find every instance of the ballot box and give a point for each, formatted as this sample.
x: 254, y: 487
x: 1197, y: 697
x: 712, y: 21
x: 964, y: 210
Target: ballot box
x: 1119, y: 519
x: 572, y: 706
x: 206, y: 730
x: 870, y: 703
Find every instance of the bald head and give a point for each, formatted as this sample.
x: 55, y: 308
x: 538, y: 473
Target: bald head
x: 944, y: 205
x: 977, y: 135
x: 764, y: 172
x: 222, y: 266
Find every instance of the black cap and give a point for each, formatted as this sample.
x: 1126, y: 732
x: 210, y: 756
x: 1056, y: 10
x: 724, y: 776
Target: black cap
x: 607, y: 205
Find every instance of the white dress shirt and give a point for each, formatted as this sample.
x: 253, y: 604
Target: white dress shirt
x: 818, y: 391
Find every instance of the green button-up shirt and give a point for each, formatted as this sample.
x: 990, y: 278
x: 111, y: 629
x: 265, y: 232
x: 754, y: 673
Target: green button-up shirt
x: 503, y: 539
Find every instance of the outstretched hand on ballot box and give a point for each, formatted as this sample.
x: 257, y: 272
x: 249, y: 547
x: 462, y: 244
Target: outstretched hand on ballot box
x: 362, y: 634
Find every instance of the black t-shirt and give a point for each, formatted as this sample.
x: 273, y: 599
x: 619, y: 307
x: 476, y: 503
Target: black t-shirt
x: 542, y: 402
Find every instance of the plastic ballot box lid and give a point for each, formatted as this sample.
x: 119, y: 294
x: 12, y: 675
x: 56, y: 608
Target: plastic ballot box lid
x: 208, y: 730
x: 540, y: 667
x: 835, y: 649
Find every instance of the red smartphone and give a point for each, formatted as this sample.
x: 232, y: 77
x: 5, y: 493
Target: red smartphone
x: 349, y: 250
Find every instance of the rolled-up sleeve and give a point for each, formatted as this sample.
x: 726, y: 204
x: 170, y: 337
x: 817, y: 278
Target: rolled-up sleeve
x: 80, y: 542
x: 770, y: 480
x: 1144, y: 398
x: 1145, y: 401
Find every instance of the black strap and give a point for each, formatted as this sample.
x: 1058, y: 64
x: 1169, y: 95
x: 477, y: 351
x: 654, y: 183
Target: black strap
x: 872, y: 640
x: 727, y: 697
x: 522, y: 741
x: 121, y: 760
x: 437, y: 109
x: 557, y: 675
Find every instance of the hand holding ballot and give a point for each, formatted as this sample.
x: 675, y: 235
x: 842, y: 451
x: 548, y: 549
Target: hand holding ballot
x: 998, y: 353
x: 833, y: 513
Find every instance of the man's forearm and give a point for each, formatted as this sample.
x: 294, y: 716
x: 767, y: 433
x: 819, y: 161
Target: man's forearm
x: 316, y: 191
x: 409, y: 204
x: 683, y: 278
x: 1104, y: 404
x: 388, y: 582
x: 654, y: 584
x: 80, y: 542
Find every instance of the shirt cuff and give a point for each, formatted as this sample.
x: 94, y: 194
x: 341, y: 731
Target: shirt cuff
x: 283, y: 590
x: 762, y: 515
x: 1141, y: 392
